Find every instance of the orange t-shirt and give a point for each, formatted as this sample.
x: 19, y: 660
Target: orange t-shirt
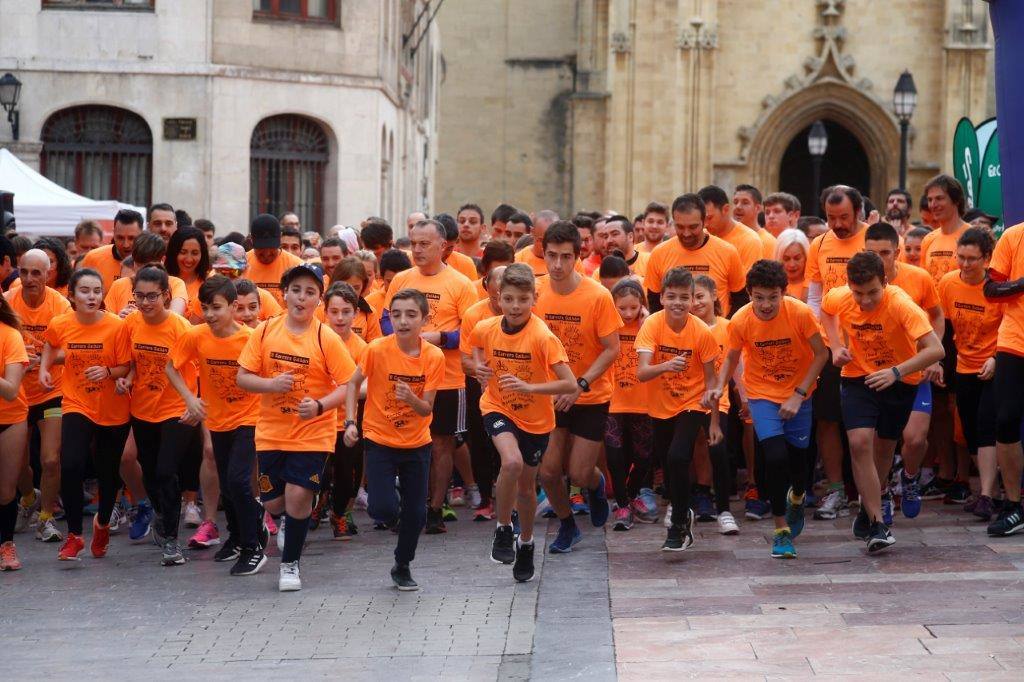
x: 450, y: 295
x: 918, y: 284
x: 528, y: 354
x: 153, y: 397
x: 319, y: 361
x: 227, y: 405
x: 776, y: 353
x: 938, y: 252
x: 716, y: 258
x: 769, y: 242
x: 629, y: 394
x: 721, y: 334
x: 580, y: 320
x: 12, y: 351
x: 375, y: 299
x: 120, y: 293
x: 882, y: 338
x: 747, y: 243
x: 1008, y: 264
x: 674, y: 392
x: 539, y: 265
x: 462, y: 263
x: 356, y: 347
x: 269, y: 276
x: 478, y: 286
x: 975, y: 321
x: 103, y: 343
x: 34, y: 322
x: 481, y: 310
x: 101, y: 259
x: 797, y: 290
x: 827, y: 258
x: 386, y: 419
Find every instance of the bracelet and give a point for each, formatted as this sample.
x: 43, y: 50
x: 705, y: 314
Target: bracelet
x: 896, y: 371
x: 349, y: 422
x: 110, y: 375
x: 319, y: 407
x: 801, y: 392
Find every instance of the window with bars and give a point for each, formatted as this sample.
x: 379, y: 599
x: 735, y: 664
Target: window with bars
x: 100, y: 152
x: 100, y: 4
x: 287, y: 167
x: 323, y: 11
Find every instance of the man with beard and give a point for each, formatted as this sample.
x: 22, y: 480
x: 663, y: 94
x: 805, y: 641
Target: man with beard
x: 897, y: 210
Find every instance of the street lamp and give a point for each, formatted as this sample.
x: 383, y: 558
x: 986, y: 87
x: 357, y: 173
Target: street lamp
x: 10, y: 91
x: 817, y: 144
x: 904, y: 101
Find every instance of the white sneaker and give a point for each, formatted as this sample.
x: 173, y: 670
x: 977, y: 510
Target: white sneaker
x: 47, y: 532
x: 667, y: 521
x: 727, y: 524
x: 361, y: 499
x: 280, y: 535
x: 289, y: 580
x: 193, y: 518
x: 833, y: 506
x: 472, y: 495
x: 28, y: 516
x: 117, y: 517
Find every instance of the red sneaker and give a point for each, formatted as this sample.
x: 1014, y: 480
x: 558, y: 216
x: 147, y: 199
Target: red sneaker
x: 100, y: 539
x: 70, y: 548
x: 9, y: 557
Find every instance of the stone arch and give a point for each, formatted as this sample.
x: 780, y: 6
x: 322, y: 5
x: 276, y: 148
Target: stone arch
x: 874, y: 127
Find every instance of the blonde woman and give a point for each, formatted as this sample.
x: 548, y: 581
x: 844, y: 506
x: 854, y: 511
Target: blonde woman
x: 791, y: 251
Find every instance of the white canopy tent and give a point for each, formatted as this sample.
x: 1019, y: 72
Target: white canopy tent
x: 44, y: 208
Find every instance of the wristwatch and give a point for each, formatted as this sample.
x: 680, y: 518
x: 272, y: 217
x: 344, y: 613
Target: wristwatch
x: 349, y: 422
x: 583, y: 384
x: 800, y: 392
x: 896, y: 371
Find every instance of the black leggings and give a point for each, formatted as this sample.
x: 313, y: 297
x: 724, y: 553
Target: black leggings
x: 162, y: 447
x: 627, y: 444
x: 78, y: 436
x: 1009, y: 398
x: 975, y: 403
x: 348, y: 472
x: 785, y: 467
x: 235, y: 454
x: 673, y: 445
x: 482, y: 454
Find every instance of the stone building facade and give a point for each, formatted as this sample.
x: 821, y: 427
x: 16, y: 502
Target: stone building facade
x: 324, y: 107
x: 611, y: 103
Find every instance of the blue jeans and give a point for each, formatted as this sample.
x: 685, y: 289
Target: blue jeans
x: 412, y: 466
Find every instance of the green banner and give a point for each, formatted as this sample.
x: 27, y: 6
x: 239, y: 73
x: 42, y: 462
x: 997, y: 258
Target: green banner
x: 990, y: 195
x: 967, y: 159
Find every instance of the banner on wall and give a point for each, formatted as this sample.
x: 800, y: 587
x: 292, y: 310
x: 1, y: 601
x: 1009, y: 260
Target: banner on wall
x: 976, y: 166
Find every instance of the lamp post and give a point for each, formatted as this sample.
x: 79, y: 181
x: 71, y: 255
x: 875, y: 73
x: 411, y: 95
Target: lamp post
x: 904, y: 101
x: 10, y: 91
x: 817, y: 144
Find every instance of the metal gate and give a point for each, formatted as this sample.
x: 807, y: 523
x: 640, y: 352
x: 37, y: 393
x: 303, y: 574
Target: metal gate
x: 288, y: 161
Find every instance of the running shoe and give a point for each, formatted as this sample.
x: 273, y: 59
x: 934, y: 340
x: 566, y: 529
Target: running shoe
x: 25, y: 514
x: 727, y: 524
x: 862, y: 525
x: 667, y: 521
x: 794, y: 517
x: 71, y: 548
x: 544, y: 508
x: 47, y: 532
x: 250, y: 561
x: 984, y: 508
x: 522, y: 569
x: 229, y: 551
x: 833, y: 506
x: 401, y: 576
x: 172, y: 555
x: 971, y: 503
x: 143, y: 522
x: 435, y: 522
x: 269, y: 522
x: 705, y: 508
x: 645, y: 506
x: 880, y: 538
x: 288, y: 579
x: 485, y: 513
x: 515, y: 522
x: 1010, y: 521
x: 599, y: 507
x: 911, y: 502
x: 447, y: 513
x: 503, y: 546
x: 957, y: 493
x: 100, y: 539
x: 750, y: 493
x: 193, y: 517
x: 262, y: 532
x: 9, y: 560
x: 472, y: 495
x: 578, y: 504
x: 935, y: 489
x: 623, y: 518
x: 456, y: 497
x: 568, y: 536
x: 887, y: 508
x: 339, y: 525
x: 207, y: 536
x: 757, y: 509
x: 679, y: 537
x: 782, y: 545
x: 362, y: 499
x: 117, y: 517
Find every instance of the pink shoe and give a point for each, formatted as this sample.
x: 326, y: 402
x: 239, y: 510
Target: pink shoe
x: 269, y: 520
x: 206, y: 536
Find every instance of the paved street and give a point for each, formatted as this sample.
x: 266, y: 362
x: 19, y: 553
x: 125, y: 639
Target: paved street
x: 947, y: 601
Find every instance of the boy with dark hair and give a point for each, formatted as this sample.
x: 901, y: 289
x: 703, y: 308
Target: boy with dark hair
x: 499, y: 223
x: 656, y: 220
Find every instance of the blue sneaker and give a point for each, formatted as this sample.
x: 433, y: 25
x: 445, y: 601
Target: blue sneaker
x: 142, y: 523
x: 782, y: 546
x: 568, y: 536
x: 887, y: 508
x: 599, y: 507
x: 578, y: 503
x: 794, y: 515
x: 704, y: 508
x: 911, y: 505
x: 757, y: 510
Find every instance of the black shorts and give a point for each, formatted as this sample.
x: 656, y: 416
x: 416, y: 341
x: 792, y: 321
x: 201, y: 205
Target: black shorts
x: 975, y: 403
x: 44, y: 410
x: 1008, y: 397
x: 531, y: 445
x: 826, y: 403
x: 449, y: 418
x: 584, y: 421
x: 885, y: 411
x: 277, y: 467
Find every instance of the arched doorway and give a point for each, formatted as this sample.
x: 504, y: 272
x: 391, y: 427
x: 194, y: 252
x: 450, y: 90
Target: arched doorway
x: 287, y: 168
x: 845, y: 162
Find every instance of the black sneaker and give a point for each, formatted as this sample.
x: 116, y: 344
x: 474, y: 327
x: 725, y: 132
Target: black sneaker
x: 880, y: 538
x: 1010, y: 521
x: 435, y: 522
x: 862, y: 525
x: 522, y: 570
x: 680, y: 536
x: 935, y: 489
x: 957, y: 493
x: 250, y: 561
x: 402, y: 578
x: 228, y: 551
x: 503, y: 548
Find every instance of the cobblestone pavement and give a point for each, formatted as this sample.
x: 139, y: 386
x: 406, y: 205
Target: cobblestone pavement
x: 947, y: 601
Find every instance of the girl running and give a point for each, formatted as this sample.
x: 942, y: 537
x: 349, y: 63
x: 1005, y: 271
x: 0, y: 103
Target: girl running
x: 13, y: 430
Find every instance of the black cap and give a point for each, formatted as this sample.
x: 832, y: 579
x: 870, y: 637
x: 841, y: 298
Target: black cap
x: 265, y: 232
x: 302, y: 270
x: 975, y: 213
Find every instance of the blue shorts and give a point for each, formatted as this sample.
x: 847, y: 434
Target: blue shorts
x: 923, y: 400
x: 768, y: 423
x: 276, y: 467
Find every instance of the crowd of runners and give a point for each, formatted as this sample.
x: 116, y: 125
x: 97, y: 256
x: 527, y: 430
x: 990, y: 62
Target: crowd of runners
x: 712, y: 359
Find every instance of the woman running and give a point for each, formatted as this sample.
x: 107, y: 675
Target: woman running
x: 13, y: 430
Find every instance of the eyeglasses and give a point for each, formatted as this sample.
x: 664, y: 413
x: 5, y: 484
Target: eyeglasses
x: 147, y: 298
